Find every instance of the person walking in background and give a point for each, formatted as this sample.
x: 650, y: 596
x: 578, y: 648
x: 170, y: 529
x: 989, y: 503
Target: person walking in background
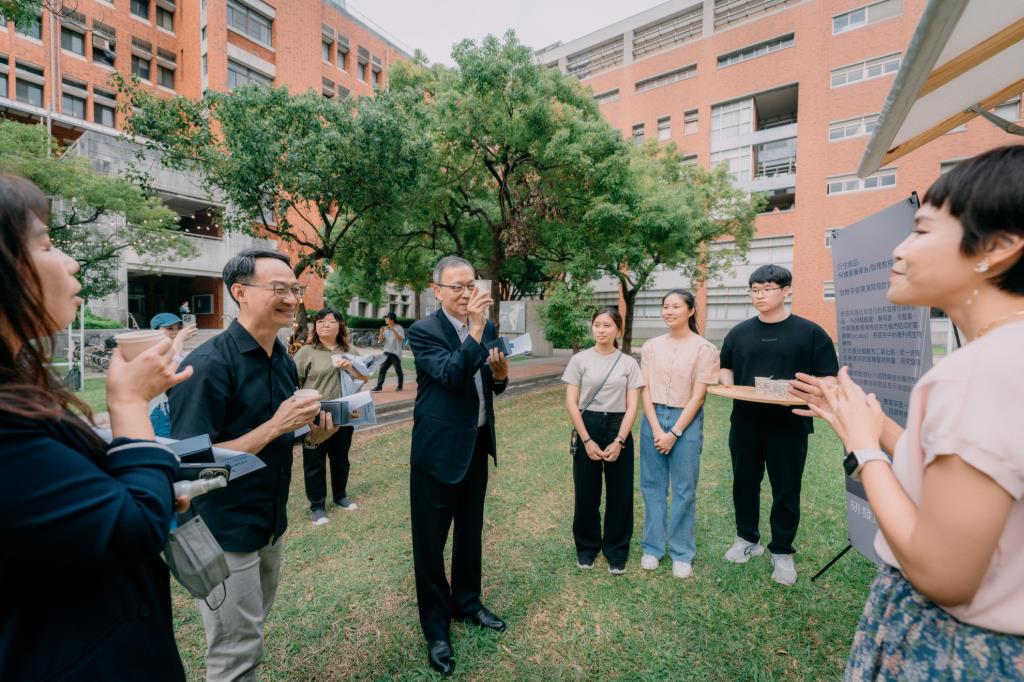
x: 774, y: 344
x: 84, y: 593
x: 602, y: 397
x: 171, y: 325
x: 393, y: 337
x: 319, y: 365
x: 453, y: 432
x: 948, y: 599
x: 677, y: 369
x: 184, y: 309
x: 242, y: 397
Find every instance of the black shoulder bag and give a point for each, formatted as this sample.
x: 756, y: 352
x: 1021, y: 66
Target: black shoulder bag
x: 574, y: 438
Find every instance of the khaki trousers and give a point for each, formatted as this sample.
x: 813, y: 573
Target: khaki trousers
x: 234, y: 630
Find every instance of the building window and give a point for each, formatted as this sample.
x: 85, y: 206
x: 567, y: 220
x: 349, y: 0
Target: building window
x: 668, y: 32
x: 638, y: 134
x: 342, y: 52
x: 728, y: 12
x: 249, y: 22
x: 1009, y: 110
x: 946, y: 166
x: 690, y: 122
x: 72, y: 40
x: 239, y: 74
x: 607, y: 97
x: 668, y: 78
x: 873, y: 68
x: 374, y: 78
x: 104, y: 104
x: 854, y: 127
x: 140, y: 66
x: 104, y: 47
x: 758, y: 50
x: 165, y: 76
x: 28, y: 84
x: 140, y: 8
x: 33, y: 30
x: 732, y: 120
x: 828, y: 288
x: 830, y: 234
x: 72, y: 100
x: 665, y: 128
x: 869, y: 14
x: 688, y: 160
x: 164, y: 18
x: 4, y: 67
x: 595, y: 59
x: 738, y: 162
x: 325, y: 51
x: 328, y: 88
x: 844, y: 184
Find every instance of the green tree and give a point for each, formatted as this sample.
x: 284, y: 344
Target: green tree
x: 678, y: 211
x: 24, y: 12
x: 310, y: 172
x: 566, y: 315
x: 520, y: 161
x: 94, y: 217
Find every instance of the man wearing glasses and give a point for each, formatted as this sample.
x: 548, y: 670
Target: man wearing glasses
x: 452, y: 436
x: 775, y: 344
x: 242, y: 396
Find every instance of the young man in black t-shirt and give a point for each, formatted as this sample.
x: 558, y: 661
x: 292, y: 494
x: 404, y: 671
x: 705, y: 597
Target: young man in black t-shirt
x: 775, y: 344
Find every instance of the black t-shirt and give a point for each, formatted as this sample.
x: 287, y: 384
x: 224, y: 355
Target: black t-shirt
x: 778, y: 350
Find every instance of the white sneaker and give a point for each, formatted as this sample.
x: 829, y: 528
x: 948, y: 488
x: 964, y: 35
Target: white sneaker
x: 681, y: 569
x: 649, y: 562
x: 741, y: 551
x: 783, y: 570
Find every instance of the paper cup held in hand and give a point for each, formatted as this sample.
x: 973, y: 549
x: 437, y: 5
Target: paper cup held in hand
x: 133, y: 343
x: 307, y: 393
x: 337, y: 358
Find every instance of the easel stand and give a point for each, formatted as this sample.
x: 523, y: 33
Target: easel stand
x: 829, y: 565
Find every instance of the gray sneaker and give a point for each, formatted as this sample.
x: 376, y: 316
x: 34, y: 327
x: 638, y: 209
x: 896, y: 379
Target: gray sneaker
x: 347, y: 504
x: 319, y: 517
x: 783, y: 569
x: 741, y: 551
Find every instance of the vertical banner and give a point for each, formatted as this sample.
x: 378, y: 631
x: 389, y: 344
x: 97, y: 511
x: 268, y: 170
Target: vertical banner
x: 886, y: 347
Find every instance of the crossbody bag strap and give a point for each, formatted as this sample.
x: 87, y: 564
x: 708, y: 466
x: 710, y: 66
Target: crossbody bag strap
x: 593, y: 397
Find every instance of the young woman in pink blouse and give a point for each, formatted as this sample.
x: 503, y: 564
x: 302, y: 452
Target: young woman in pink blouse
x: 948, y: 601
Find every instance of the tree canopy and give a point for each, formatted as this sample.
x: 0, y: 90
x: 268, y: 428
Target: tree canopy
x: 94, y: 217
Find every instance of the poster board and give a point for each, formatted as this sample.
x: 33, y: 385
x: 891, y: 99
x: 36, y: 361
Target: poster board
x: 886, y: 347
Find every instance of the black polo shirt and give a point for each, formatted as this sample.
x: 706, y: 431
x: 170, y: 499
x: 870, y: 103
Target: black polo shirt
x: 234, y: 388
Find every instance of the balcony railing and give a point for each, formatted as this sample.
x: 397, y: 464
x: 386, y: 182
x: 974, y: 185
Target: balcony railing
x: 774, y: 167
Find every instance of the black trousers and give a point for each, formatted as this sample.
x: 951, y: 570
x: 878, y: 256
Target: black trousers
x: 587, y: 475
x: 783, y: 455
x: 314, y: 468
x: 390, y: 359
x: 435, y: 506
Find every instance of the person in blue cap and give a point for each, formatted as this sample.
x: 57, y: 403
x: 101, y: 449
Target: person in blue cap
x: 171, y: 325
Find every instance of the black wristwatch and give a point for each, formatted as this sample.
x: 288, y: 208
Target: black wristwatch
x: 855, y: 461
x: 677, y: 434
x: 619, y: 440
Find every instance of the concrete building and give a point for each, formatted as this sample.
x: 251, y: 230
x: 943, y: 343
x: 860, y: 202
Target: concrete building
x: 58, y: 71
x: 783, y: 91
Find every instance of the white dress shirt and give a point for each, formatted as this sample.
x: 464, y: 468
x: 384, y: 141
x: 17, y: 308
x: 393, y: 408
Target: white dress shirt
x: 462, y: 329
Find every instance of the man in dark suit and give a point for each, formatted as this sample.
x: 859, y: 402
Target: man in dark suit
x: 452, y: 435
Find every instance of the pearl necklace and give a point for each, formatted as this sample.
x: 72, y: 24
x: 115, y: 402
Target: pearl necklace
x: 987, y: 327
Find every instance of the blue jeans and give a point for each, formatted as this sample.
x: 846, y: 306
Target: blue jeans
x: 681, y: 468
x: 161, y: 421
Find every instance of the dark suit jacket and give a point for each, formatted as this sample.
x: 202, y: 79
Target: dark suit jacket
x: 447, y: 406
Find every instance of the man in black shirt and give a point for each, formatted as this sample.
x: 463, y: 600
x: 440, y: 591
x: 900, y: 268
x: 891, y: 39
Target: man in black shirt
x: 241, y: 394
x: 776, y: 345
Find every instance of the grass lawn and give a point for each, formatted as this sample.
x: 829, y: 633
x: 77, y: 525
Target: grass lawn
x: 346, y: 605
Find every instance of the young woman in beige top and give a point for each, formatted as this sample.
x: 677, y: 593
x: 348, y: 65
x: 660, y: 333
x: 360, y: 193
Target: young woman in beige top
x: 948, y: 601
x: 677, y: 368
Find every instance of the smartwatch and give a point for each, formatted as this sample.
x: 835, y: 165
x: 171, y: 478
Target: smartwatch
x: 677, y: 434
x: 855, y: 461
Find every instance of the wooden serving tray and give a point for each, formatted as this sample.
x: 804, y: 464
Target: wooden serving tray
x: 748, y: 393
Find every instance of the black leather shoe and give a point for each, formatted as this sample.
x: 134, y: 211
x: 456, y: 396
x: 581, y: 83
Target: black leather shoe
x: 486, y: 619
x: 439, y: 653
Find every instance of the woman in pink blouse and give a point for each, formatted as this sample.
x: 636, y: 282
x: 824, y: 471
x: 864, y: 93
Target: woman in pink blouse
x: 677, y: 368
x: 948, y: 601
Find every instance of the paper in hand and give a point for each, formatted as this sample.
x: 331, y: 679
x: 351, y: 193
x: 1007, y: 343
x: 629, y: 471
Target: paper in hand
x: 521, y: 345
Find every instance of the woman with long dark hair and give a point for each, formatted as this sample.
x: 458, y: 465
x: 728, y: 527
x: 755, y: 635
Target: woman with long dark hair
x: 84, y: 593
x: 948, y: 599
x: 320, y: 364
x: 677, y: 368
x: 601, y: 396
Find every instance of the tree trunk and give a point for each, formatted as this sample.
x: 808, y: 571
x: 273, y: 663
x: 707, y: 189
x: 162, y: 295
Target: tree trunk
x: 629, y: 296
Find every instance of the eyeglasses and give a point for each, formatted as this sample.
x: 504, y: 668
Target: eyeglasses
x: 280, y: 290
x: 459, y: 288
x: 762, y: 292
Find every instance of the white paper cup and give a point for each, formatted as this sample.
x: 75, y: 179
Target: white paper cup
x: 305, y: 393
x: 133, y: 343
x: 484, y: 285
x: 337, y: 358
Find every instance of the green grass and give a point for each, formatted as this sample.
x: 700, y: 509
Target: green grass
x: 346, y: 605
